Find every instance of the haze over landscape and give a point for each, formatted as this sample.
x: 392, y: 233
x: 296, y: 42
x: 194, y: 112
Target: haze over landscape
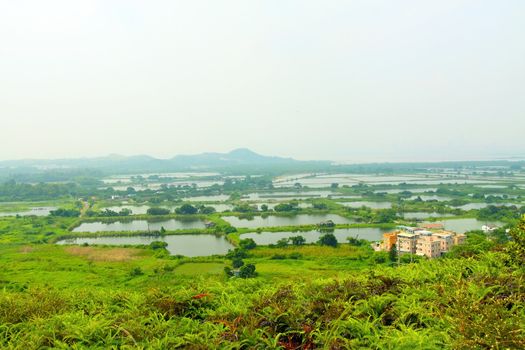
x: 346, y: 80
x: 292, y: 174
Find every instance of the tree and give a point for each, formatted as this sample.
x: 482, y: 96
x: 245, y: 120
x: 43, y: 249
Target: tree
x: 247, y: 243
x: 264, y: 207
x: 228, y: 271
x: 247, y: 271
x: 320, y: 206
x: 283, y: 242
x: 206, y: 210
x: 392, y: 254
x: 186, y: 209
x: 236, y: 263
x: 70, y: 213
x: 158, y: 245
x: 517, y: 246
x: 237, y: 253
x: 285, y: 207
x: 355, y: 241
x: 328, y: 239
x: 158, y: 211
x: 298, y: 240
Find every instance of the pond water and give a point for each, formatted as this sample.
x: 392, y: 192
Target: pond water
x: 373, y: 205
x: 272, y: 220
x: 213, y: 198
x: 399, y: 190
x: 422, y: 215
x: 142, y: 209
x: 220, y: 207
x: 464, y: 225
x: 286, y: 196
x: 431, y: 198
x: 40, y: 211
x: 470, y: 206
x: 187, y: 245
x: 368, y: 233
x: 140, y: 225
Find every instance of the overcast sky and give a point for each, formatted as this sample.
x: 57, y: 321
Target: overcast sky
x: 342, y: 80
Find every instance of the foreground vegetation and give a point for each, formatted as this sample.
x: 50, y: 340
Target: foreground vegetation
x: 63, y: 297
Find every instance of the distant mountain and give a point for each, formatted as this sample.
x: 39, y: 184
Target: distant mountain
x: 237, y: 157
x: 241, y: 159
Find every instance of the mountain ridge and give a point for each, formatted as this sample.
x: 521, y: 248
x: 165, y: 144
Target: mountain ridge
x: 239, y: 157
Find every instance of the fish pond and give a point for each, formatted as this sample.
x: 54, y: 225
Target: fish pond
x: 368, y: 233
x: 40, y: 211
x: 464, y: 225
x: 373, y: 205
x: 295, y: 220
x: 140, y: 225
x: 422, y: 215
x: 187, y: 245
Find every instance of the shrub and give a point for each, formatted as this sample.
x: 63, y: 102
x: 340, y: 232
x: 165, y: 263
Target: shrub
x: 328, y: 240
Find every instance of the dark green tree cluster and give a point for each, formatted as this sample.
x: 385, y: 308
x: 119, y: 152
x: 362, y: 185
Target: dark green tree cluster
x: 186, y: 209
x: 158, y: 211
x: 68, y: 213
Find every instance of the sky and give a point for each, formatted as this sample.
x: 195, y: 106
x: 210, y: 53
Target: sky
x: 343, y: 80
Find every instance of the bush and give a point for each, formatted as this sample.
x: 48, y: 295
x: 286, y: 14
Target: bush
x: 283, y: 242
x: 186, y: 209
x: 229, y: 229
x: 158, y: 245
x: 295, y: 256
x: 247, y: 271
x: 278, y: 257
x: 158, y: 211
x: 247, y: 243
x: 68, y: 213
x: 237, y: 262
x: 136, y: 271
x: 328, y: 240
x: 298, y: 240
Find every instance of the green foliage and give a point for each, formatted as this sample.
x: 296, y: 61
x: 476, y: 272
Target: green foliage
x: 247, y: 271
x: 247, y: 243
x: 517, y: 246
x: 136, y: 271
x: 236, y: 253
x: 158, y: 211
x: 392, y: 254
x: 297, y: 240
x: 67, y: 213
x: 287, y: 207
x: 319, y: 205
x: 283, y: 242
x: 229, y: 229
x: 495, y: 213
x: 155, y: 245
x: 245, y: 208
x: 206, y: 210
x: 236, y: 263
x: 328, y: 239
x: 186, y: 209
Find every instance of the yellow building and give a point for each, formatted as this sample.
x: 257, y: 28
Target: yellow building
x: 389, y: 239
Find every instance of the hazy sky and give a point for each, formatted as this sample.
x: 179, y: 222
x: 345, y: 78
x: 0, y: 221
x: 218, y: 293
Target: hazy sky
x: 323, y: 79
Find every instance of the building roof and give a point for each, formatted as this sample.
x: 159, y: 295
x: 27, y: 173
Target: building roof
x: 432, y: 225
